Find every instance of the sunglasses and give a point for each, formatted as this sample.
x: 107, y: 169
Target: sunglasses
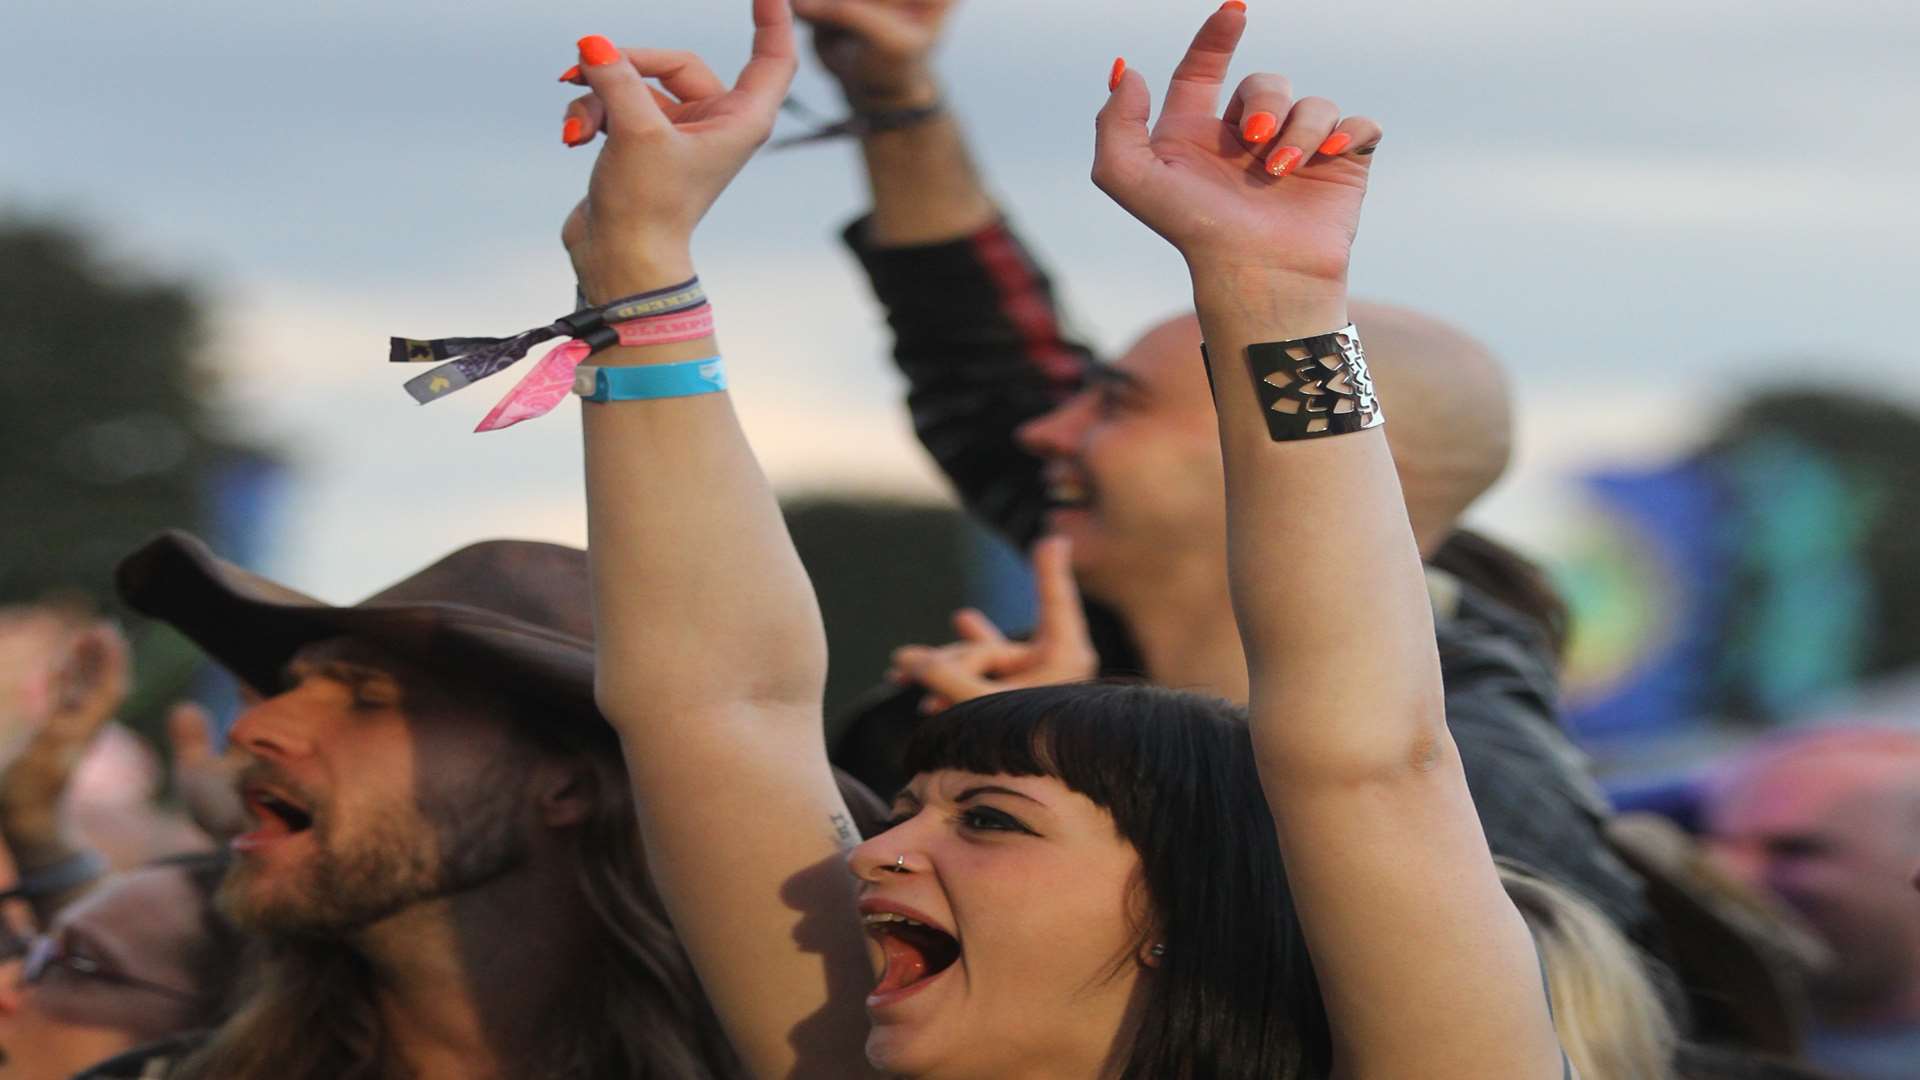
x: 44, y: 953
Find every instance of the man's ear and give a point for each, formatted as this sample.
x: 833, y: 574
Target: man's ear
x: 566, y: 791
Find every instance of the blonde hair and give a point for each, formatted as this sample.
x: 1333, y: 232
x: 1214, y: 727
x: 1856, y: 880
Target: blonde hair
x: 1606, y: 1008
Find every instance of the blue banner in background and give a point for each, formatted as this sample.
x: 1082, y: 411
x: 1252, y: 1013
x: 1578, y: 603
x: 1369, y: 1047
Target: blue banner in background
x: 243, y: 500
x: 1646, y: 585
x: 1734, y: 587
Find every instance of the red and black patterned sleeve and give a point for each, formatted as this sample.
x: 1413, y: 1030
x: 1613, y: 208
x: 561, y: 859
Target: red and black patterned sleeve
x: 977, y: 334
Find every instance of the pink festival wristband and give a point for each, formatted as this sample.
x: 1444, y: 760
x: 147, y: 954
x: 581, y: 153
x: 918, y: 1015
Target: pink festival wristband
x: 551, y: 380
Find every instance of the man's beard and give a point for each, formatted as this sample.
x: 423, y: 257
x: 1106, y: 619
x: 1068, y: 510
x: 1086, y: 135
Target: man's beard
x: 444, y: 848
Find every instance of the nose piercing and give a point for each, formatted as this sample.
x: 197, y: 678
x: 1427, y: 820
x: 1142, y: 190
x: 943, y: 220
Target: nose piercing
x: 899, y: 864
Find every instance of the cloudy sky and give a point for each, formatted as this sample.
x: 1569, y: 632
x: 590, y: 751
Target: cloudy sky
x: 1645, y: 206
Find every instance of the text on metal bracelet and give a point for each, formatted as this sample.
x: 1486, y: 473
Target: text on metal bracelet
x: 1314, y: 386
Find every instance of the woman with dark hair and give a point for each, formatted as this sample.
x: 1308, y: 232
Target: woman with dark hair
x: 1080, y: 882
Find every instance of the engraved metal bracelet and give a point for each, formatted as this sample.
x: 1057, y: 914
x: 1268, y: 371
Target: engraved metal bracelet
x: 1314, y: 386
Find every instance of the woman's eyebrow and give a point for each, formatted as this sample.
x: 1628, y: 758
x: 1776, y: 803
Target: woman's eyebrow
x: 995, y: 789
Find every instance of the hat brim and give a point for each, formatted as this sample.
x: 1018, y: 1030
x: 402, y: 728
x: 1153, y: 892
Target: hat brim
x: 253, y: 626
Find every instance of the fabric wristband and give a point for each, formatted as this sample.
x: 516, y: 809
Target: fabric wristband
x: 646, y: 382
x: 551, y: 379
x: 473, y: 359
x: 69, y: 873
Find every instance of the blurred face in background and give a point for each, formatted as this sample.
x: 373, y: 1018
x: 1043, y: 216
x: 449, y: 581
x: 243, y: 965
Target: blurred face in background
x: 1133, y: 466
x: 1835, y: 833
x: 117, y: 970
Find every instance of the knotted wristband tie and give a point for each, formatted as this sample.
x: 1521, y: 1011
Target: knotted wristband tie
x: 676, y: 313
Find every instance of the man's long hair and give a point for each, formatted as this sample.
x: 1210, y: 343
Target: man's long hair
x: 635, y: 1007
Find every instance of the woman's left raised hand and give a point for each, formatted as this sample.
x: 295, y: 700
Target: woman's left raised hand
x: 1270, y: 188
x: 668, y: 153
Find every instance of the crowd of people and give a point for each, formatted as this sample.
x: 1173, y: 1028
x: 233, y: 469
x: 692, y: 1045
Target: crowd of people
x: 1277, y: 786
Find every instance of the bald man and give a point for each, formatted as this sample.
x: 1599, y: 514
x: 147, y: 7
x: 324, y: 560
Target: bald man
x: 1040, y: 437
x: 1829, y: 822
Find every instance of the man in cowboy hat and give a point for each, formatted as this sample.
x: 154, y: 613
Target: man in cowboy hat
x: 443, y: 863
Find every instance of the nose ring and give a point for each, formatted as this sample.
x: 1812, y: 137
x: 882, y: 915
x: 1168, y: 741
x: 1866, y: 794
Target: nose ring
x: 899, y: 864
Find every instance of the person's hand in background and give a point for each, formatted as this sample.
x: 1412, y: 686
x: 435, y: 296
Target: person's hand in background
x: 984, y: 661
x: 203, y: 777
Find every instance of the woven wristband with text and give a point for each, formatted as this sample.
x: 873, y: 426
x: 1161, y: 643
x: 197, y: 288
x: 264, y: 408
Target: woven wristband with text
x: 470, y: 360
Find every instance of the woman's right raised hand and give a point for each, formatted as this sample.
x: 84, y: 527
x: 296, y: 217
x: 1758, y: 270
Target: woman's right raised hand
x: 668, y: 155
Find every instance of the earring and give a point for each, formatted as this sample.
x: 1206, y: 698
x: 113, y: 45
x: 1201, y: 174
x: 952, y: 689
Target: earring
x: 1157, y: 951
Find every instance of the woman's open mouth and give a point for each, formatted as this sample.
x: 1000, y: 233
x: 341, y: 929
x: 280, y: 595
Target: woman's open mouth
x: 916, y: 952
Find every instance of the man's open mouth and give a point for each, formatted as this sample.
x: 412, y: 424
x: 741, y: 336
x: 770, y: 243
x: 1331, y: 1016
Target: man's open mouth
x: 915, y: 951
x: 278, y: 814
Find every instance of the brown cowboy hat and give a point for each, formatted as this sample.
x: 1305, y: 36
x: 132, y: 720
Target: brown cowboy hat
x: 510, y: 611
x: 516, y: 615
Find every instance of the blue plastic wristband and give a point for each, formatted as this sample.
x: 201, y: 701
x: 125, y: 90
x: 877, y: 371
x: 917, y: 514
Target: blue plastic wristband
x: 648, y: 381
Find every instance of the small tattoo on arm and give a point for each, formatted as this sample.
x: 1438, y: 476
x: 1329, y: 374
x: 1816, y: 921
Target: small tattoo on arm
x: 843, y: 830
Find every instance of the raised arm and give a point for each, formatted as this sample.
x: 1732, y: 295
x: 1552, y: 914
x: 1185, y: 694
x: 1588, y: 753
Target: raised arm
x: 976, y: 330
x: 79, y: 690
x: 1426, y: 967
x: 925, y: 188
x: 712, y: 659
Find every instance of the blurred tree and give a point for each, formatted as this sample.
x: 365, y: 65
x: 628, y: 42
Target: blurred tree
x: 105, y: 431
x: 888, y: 574
x: 1827, y: 534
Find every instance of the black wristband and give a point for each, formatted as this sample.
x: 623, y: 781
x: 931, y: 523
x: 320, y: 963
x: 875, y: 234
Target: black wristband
x: 859, y: 125
x: 69, y: 873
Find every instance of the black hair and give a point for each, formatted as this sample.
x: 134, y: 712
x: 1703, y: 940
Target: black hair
x: 1511, y: 578
x: 1234, y: 994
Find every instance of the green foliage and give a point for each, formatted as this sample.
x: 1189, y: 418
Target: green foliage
x: 888, y: 574
x: 104, y: 431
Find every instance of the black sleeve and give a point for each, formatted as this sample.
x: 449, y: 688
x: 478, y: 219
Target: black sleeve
x: 978, y: 336
x: 1537, y: 802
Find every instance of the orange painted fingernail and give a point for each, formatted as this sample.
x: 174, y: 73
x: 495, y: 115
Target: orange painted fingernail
x: 597, y: 51
x: 570, y: 131
x: 1336, y: 143
x: 1283, y: 160
x: 1119, y: 69
x: 1260, y: 127
x: 572, y: 74
x: 1237, y: 5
